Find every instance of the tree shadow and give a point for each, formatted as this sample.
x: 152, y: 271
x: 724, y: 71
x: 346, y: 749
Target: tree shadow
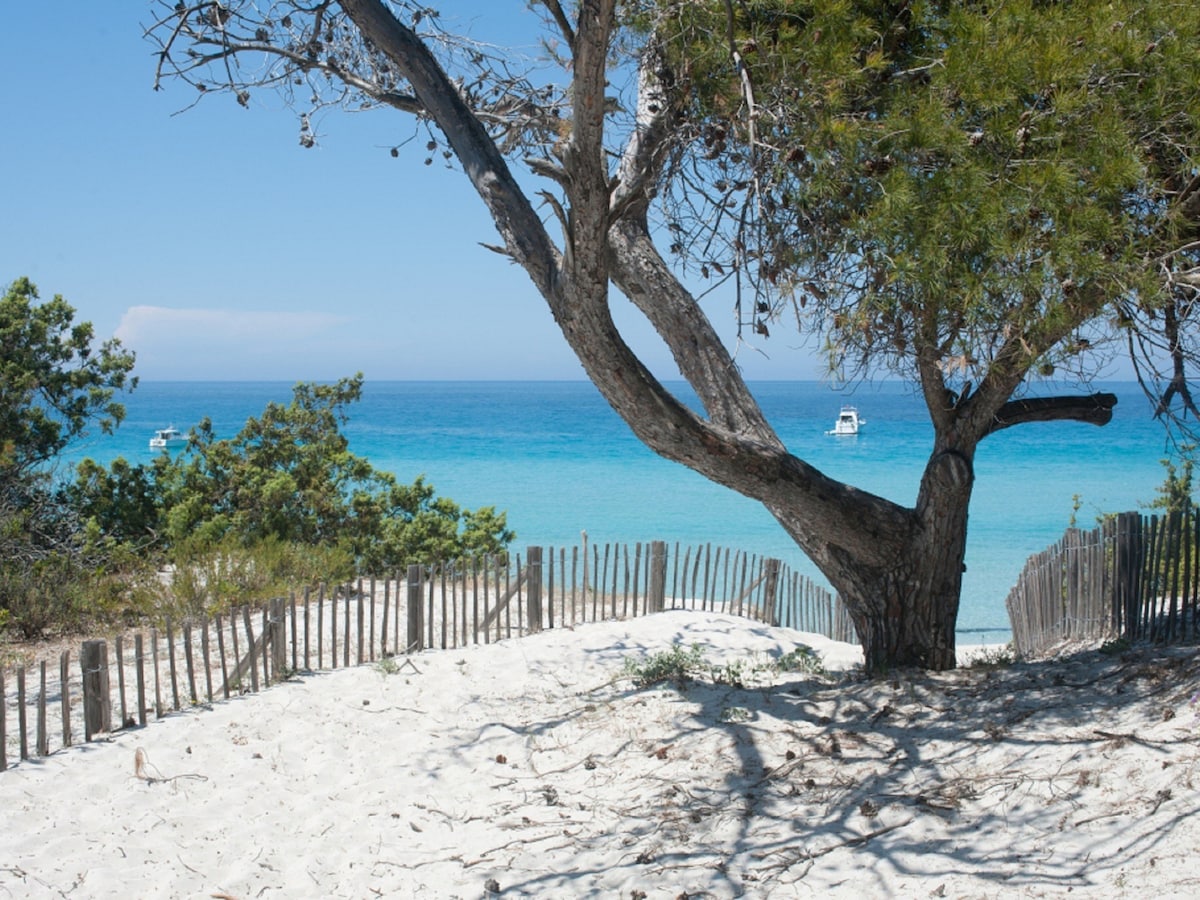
x: 1013, y: 776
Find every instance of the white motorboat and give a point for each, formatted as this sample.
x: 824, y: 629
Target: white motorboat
x: 168, y: 439
x: 848, y: 422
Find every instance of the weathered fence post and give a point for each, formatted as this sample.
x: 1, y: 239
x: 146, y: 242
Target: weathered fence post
x: 171, y: 660
x: 533, y: 572
x: 371, y: 643
x: 251, y: 652
x: 770, y: 591
x: 584, y: 537
x: 383, y: 630
x: 333, y: 619
x: 266, y: 651
x: 307, y: 628
x: 139, y: 657
x: 321, y: 626
x: 64, y: 671
x: 158, y: 707
x: 346, y: 628
x: 190, y: 662
x: 204, y: 646
x: 360, y: 620
x: 120, y: 680
x: 295, y: 641
x: 415, y: 611
x: 3, y: 727
x: 1127, y: 556
x: 279, y: 637
x: 656, y: 587
x: 43, y: 739
x: 97, y: 710
x: 22, y: 723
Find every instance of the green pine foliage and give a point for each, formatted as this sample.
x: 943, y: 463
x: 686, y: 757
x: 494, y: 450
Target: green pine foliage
x: 286, y: 480
x: 55, y: 385
x: 1175, y: 492
x: 979, y: 186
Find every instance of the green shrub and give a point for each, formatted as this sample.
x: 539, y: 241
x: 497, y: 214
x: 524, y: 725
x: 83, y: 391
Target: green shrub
x: 208, y: 578
x: 286, y: 480
x: 676, y: 665
x: 1115, y: 647
x: 997, y: 657
x: 44, y: 596
x: 801, y: 659
x: 679, y: 666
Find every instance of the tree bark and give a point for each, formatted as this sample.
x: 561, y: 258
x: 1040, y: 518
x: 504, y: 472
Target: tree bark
x: 1096, y: 409
x: 901, y: 586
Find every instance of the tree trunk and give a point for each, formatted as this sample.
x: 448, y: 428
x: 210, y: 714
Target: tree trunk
x: 908, y: 616
x: 901, y: 588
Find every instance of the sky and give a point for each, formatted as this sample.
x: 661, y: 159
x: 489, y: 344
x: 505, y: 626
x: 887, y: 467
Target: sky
x: 217, y: 248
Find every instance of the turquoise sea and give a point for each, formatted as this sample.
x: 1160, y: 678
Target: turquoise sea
x: 559, y: 460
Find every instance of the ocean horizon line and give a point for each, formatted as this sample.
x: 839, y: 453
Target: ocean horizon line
x: 835, y: 388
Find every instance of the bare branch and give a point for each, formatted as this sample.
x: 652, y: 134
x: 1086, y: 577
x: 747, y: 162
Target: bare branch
x: 547, y: 170
x: 1094, y: 410
x: 519, y: 225
x: 560, y: 19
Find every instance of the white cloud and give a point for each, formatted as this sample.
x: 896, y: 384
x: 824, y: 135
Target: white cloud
x: 227, y: 344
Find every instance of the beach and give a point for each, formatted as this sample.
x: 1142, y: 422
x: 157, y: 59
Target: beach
x: 538, y: 767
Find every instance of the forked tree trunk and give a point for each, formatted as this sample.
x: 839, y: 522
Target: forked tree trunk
x: 905, y: 606
x: 907, y: 616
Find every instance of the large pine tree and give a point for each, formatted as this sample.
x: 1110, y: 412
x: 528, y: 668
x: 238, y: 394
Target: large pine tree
x: 968, y: 194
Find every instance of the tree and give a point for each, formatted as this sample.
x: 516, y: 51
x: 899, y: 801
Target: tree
x: 119, y: 503
x: 54, y: 385
x: 1175, y: 492
x: 884, y: 170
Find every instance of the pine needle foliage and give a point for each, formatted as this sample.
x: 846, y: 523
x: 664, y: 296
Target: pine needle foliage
x: 981, y: 186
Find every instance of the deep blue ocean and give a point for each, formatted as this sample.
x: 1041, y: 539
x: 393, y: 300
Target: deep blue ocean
x: 558, y: 460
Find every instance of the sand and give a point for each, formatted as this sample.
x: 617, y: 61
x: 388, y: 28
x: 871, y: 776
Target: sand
x: 537, y: 767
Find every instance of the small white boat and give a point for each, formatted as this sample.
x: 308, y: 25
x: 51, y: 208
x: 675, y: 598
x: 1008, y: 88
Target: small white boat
x: 168, y: 439
x: 847, y: 423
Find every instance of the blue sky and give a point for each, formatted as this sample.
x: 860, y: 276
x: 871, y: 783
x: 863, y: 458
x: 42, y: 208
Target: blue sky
x: 216, y: 247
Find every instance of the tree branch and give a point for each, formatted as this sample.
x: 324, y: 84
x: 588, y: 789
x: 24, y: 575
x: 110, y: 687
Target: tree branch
x: 561, y: 20
x: 644, y: 277
x: 1096, y: 409
x: 584, y: 157
x: 738, y: 448
x: 515, y: 218
x: 648, y: 143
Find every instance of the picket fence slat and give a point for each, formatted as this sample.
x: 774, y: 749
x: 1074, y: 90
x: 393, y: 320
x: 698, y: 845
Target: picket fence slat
x: 3, y: 726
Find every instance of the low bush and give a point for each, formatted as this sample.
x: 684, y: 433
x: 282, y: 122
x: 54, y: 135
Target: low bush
x: 679, y: 666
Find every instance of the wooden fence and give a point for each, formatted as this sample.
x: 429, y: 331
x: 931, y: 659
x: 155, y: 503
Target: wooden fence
x: 1135, y: 577
x: 197, y: 662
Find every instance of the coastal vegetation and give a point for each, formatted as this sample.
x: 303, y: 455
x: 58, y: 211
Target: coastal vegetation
x: 281, y: 503
x: 681, y: 665
x: 971, y: 196
x: 54, y: 385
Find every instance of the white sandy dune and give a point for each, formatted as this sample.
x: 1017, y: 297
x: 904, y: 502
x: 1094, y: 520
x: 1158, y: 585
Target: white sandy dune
x: 531, y: 767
